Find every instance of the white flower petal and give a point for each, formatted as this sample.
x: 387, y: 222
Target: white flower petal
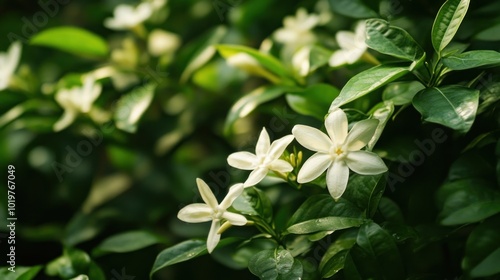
x: 278, y: 147
x: 314, y: 167
x: 13, y: 56
x: 67, y: 118
x: 346, y: 39
x: 280, y: 165
x: 213, y: 237
x: 365, y: 163
x: 339, y: 58
x: 361, y: 133
x: 263, y: 144
x: 195, y: 213
x: 234, y: 218
x: 242, y: 160
x: 256, y: 176
x: 312, y: 138
x: 206, y: 193
x: 336, y: 125
x: 232, y: 194
x: 337, y: 177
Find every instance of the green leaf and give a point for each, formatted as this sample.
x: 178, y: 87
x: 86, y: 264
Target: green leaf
x: 132, y: 106
x: 245, y: 105
x: 392, y: 40
x: 254, y: 202
x: 380, y: 246
x: 447, y: 22
x: 352, y: 8
x: 313, y: 101
x: 482, y: 250
x: 390, y: 211
x: 21, y: 272
x: 383, y: 113
x: 318, y: 57
x: 334, y: 258
x: 127, y: 242
x: 204, y: 53
x: 452, y: 106
x: 184, y: 251
x: 73, y: 40
x: 267, y: 61
x: 402, y: 93
x: 323, y: 205
x: 325, y: 224
x: 469, y: 203
x: 275, y: 264
x: 366, y: 82
x: 490, y: 34
x: 365, y: 191
x: 472, y: 59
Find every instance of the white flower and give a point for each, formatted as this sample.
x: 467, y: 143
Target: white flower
x: 266, y: 158
x: 76, y: 100
x: 211, y: 210
x: 8, y: 63
x: 338, y: 151
x: 300, y: 61
x: 161, y: 42
x: 352, y: 46
x: 128, y: 17
x: 296, y: 31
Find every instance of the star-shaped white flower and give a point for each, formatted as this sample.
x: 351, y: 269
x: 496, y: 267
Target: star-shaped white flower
x: 8, y: 63
x: 128, y: 17
x: 338, y: 151
x: 352, y: 46
x: 266, y: 158
x: 76, y: 100
x: 296, y: 31
x: 211, y: 210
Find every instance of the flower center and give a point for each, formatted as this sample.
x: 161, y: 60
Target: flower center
x: 263, y: 161
x: 337, y: 152
x: 217, y: 213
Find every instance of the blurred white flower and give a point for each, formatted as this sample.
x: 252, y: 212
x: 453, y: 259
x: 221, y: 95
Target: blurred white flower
x: 128, y: 17
x: 78, y: 99
x: 338, y: 151
x: 300, y: 61
x: 352, y: 46
x: 296, y: 31
x: 211, y: 210
x: 266, y: 157
x: 161, y: 42
x: 8, y: 63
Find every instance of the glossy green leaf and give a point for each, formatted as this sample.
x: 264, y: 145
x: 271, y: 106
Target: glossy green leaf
x: 20, y: 272
x: 379, y: 245
x: 254, y: 202
x: 184, y: 251
x: 352, y: 8
x: 334, y: 258
x: 313, y: 101
x: 73, y: 40
x: 472, y: 59
x: 482, y: 250
x: 127, y: 242
x: 366, y: 82
x: 365, y: 191
x: 392, y: 40
x: 245, y: 105
x: 390, y: 211
x: 489, y: 34
x: 323, y: 205
x: 452, y: 106
x: 447, y: 22
x: 267, y: 61
x: 402, y: 93
x: 275, y: 264
x: 469, y: 203
x: 132, y: 106
x: 383, y: 113
x: 325, y: 224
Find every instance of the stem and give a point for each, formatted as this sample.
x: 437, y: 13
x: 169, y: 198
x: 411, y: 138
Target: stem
x: 370, y: 58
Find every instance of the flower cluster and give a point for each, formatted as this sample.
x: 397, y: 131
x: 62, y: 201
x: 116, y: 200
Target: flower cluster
x: 337, y: 152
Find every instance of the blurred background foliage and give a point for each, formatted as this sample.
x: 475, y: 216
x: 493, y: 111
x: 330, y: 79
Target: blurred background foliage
x: 138, y: 179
